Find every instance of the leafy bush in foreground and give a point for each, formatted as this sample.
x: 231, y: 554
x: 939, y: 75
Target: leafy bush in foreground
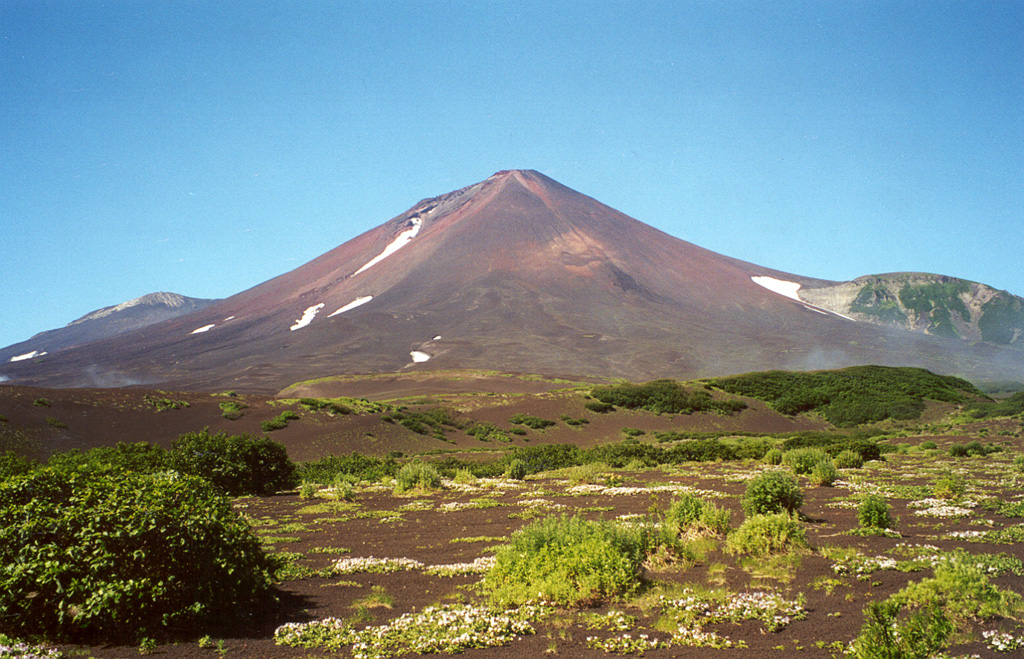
x: 238, y: 464
x: 568, y: 561
x: 105, y: 556
x: 772, y: 492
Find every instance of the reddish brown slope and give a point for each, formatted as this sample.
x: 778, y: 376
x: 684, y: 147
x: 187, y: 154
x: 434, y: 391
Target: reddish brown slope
x: 515, y: 273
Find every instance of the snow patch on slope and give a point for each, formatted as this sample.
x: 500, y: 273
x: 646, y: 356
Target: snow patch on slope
x: 358, y: 302
x: 398, y: 243
x: 789, y: 289
x: 28, y: 355
x: 204, y: 328
x: 307, y: 316
x: 419, y: 356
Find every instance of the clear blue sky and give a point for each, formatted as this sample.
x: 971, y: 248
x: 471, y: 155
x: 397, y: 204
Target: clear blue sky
x: 205, y: 147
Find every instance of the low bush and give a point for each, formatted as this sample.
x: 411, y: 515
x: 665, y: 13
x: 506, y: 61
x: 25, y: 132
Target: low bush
x: 773, y: 457
x: 772, y: 492
x: 803, y: 460
x: 516, y: 470
x: 664, y: 396
x: 531, y: 421
x: 12, y: 464
x: 873, y: 513
x: 140, y: 457
x: 971, y: 449
x: 929, y: 445
x: 324, y: 405
x: 599, y: 407
x: 824, y: 474
x: 278, y: 422
x: 232, y: 409
x: 762, y: 535
x: 105, y: 556
x: 922, y: 635
x: 237, y: 464
x: 949, y: 486
x: 568, y: 561
x: 363, y: 467
x: 848, y: 459
x: 417, y: 475
x: 691, y: 515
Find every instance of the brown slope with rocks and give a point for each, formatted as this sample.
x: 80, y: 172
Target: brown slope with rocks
x: 515, y: 273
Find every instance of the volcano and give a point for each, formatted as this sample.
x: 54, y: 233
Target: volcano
x: 516, y: 273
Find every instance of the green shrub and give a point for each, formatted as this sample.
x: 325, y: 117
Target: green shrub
x: 949, y: 486
x: 486, y: 431
x: 238, y: 464
x: 324, y: 405
x: 308, y: 490
x: 852, y: 396
x: 106, y: 556
x: 929, y: 445
x: 773, y: 457
x: 546, y: 457
x: 664, y: 396
x: 922, y: 635
x: 280, y: 421
x: 12, y: 464
x: 803, y: 460
x: 516, y: 470
x: 417, y: 475
x: 364, y: 467
x: 772, y: 492
x: 824, y: 474
x: 41, y: 402
x: 599, y: 406
x: 139, y: 457
x: 232, y: 409
x: 971, y: 449
x: 848, y: 459
x: 962, y: 590
x: 873, y: 513
x: 691, y: 515
x: 762, y: 535
x: 531, y: 421
x: 632, y: 432
x: 567, y: 561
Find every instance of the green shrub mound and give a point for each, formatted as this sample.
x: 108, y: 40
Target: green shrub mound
x: 847, y: 459
x: 417, y: 475
x: 763, y: 535
x: 238, y: 464
x: 873, y: 513
x: 102, y: 556
x: 664, y: 396
x: 824, y: 474
x: 804, y: 460
x: 772, y: 492
x: 691, y: 515
x: 362, y: 467
x: 852, y: 396
x: 568, y: 561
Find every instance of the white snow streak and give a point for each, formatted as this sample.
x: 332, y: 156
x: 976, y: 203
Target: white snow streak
x: 204, y: 328
x: 418, y: 356
x: 307, y: 316
x: 359, y: 301
x: 398, y: 243
x: 787, y: 288
x: 28, y: 355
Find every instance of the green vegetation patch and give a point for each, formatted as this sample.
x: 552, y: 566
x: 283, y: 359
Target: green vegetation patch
x: 569, y: 561
x: 88, y: 555
x: 664, y: 396
x: 852, y: 396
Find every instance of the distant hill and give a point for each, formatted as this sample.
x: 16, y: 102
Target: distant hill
x: 927, y: 303
x: 518, y: 273
x: 116, y: 320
